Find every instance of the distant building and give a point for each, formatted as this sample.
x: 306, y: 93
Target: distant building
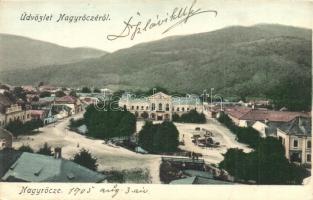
x: 29, y: 167
x: 160, y: 106
x: 6, y: 139
x: 11, y: 111
x: 296, y: 137
x: 243, y: 116
x: 70, y: 101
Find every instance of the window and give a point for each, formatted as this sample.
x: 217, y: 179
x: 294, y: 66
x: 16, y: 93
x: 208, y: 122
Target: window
x: 183, y: 109
x: 187, y: 109
x: 167, y: 107
x: 160, y: 106
x: 137, y: 108
x: 132, y: 107
x: 295, y: 143
x: 308, y: 157
x: 177, y: 109
x: 147, y: 108
x: 153, y: 106
x: 308, y: 144
x: 142, y: 107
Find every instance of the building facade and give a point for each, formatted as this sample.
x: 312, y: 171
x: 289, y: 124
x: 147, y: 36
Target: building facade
x: 297, y: 140
x: 159, y: 106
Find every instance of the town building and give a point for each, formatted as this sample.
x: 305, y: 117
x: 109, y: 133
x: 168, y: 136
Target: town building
x: 11, y: 111
x: 159, y: 106
x: 71, y: 102
x: 296, y: 137
x: 244, y: 116
x: 6, y: 139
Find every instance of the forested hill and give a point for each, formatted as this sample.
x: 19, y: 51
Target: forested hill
x: 242, y: 61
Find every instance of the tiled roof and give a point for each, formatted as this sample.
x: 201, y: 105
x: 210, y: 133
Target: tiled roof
x: 68, y: 99
x: 298, y: 126
x: 270, y: 115
x: 237, y: 111
x: 49, y: 169
x: 244, y: 113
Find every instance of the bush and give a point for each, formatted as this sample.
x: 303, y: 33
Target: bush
x: 45, y: 150
x: 26, y: 148
x: 190, y: 117
x: 159, y: 137
x: 85, y: 159
x: 76, y: 123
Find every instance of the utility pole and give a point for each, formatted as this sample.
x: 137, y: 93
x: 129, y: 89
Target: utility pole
x: 212, y: 97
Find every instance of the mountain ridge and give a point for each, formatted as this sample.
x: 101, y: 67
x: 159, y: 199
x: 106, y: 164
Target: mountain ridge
x: 18, y: 52
x: 235, y: 60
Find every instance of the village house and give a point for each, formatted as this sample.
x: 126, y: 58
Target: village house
x: 6, y: 139
x: 159, y: 106
x: 71, y: 102
x: 244, y: 117
x: 11, y: 111
x: 18, y: 168
x: 296, y: 137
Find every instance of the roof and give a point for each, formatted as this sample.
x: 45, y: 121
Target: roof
x: 44, y: 168
x: 4, y: 134
x: 244, y: 113
x: 237, y: 111
x: 7, y: 158
x: 160, y: 95
x: 46, y: 99
x: 271, y: 115
x: 300, y: 126
x: 189, y: 180
x: 198, y: 173
x: 186, y: 101
x: 37, y: 112
x: 67, y: 99
x: 199, y: 180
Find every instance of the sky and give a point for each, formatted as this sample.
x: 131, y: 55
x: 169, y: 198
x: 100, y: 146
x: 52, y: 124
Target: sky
x: 94, y: 34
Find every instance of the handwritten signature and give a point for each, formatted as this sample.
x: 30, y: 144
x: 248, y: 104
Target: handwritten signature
x: 178, y: 16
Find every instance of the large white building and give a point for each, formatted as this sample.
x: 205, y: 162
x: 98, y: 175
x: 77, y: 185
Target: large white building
x: 160, y: 106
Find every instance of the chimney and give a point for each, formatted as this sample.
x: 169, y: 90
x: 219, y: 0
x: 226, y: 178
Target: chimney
x: 58, y: 152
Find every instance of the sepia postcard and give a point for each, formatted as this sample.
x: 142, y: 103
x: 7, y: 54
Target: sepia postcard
x: 156, y: 99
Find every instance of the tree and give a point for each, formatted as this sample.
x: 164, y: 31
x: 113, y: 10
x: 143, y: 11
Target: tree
x: 20, y: 93
x: 266, y: 165
x: 44, y: 94
x: 86, y: 90
x: 26, y: 148
x: 190, y: 117
x: 41, y: 83
x: 85, y: 159
x: 73, y: 93
x: 96, y: 90
x: 45, y: 150
x: 19, y: 128
x: 145, y: 115
x: 60, y: 93
x: 159, y: 137
x: 109, y: 122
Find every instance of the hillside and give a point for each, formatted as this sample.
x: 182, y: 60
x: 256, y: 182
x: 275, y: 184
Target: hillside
x: 242, y: 61
x: 18, y: 52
